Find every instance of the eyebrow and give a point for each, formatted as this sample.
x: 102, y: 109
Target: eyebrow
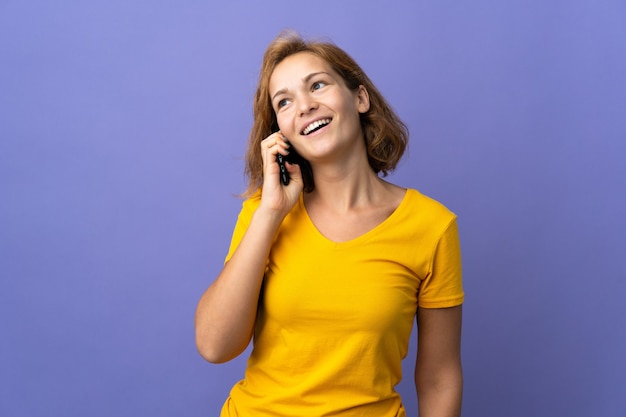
x: 304, y: 81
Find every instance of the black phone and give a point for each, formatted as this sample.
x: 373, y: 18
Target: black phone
x: 294, y: 158
x: 284, y: 174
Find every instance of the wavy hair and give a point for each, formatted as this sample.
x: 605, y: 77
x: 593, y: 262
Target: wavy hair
x: 386, y: 136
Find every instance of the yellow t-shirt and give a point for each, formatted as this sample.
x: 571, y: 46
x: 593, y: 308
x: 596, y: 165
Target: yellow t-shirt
x: 335, y: 319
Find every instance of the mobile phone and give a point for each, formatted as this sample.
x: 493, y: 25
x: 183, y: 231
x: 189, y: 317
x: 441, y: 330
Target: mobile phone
x: 284, y: 174
x: 294, y: 158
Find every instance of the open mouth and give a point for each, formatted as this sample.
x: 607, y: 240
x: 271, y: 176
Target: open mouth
x: 316, y: 125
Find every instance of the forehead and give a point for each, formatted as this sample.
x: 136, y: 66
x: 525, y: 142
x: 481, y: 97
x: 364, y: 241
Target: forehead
x: 293, y: 69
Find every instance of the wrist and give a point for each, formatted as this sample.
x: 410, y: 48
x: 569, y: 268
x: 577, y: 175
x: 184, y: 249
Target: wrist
x: 269, y: 216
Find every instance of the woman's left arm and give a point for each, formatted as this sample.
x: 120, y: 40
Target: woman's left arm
x: 438, y: 373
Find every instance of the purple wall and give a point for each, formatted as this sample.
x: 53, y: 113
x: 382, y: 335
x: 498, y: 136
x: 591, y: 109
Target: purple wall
x: 122, y: 129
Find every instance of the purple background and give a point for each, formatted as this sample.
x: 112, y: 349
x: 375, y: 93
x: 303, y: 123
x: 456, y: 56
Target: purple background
x: 122, y: 127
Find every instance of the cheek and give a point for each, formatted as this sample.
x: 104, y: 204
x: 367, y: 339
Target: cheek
x: 284, y: 122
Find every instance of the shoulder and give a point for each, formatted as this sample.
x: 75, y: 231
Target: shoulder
x: 251, y: 202
x: 420, y: 218
x: 427, y: 208
x: 249, y: 205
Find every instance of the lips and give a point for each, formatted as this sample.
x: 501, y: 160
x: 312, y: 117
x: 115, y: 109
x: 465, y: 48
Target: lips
x: 311, y: 127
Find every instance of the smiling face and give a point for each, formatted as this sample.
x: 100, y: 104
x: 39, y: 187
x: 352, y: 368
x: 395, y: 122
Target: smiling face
x: 315, y: 109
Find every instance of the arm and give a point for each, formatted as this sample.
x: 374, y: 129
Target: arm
x: 438, y: 373
x: 226, y: 312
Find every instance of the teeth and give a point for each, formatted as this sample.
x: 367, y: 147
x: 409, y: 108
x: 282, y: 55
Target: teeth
x: 315, y: 125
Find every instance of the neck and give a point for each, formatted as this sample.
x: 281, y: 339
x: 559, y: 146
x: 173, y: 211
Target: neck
x: 344, y: 188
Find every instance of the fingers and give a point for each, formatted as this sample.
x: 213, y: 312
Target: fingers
x: 293, y: 169
x: 271, y: 146
x: 278, y: 193
x: 275, y: 143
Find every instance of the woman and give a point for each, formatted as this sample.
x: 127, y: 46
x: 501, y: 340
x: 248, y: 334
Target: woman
x: 329, y: 269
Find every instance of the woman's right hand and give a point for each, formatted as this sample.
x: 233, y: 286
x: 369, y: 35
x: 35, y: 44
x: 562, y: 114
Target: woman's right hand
x: 275, y: 196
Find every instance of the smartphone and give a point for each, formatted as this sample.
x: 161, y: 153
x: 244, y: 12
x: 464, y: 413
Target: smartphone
x: 294, y: 158
x: 284, y: 174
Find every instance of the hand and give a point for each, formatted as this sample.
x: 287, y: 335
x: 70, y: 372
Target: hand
x: 276, y: 196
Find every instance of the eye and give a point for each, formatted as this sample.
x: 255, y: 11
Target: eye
x: 282, y: 103
x: 317, y: 85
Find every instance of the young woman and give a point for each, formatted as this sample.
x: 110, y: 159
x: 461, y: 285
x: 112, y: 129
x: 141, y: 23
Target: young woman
x: 328, y: 270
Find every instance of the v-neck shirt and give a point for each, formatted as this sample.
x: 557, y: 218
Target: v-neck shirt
x: 335, y: 318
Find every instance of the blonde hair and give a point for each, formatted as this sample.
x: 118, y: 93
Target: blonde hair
x: 385, y: 135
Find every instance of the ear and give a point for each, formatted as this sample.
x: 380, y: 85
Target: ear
x: 362, y: 99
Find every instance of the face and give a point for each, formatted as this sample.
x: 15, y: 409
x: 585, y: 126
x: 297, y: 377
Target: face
x: 314, y: 108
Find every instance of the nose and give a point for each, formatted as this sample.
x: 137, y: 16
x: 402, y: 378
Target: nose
x: 306, y: 104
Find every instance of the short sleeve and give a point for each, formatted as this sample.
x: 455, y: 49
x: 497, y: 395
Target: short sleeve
x: 443, y: 286
x: 248, y: 208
